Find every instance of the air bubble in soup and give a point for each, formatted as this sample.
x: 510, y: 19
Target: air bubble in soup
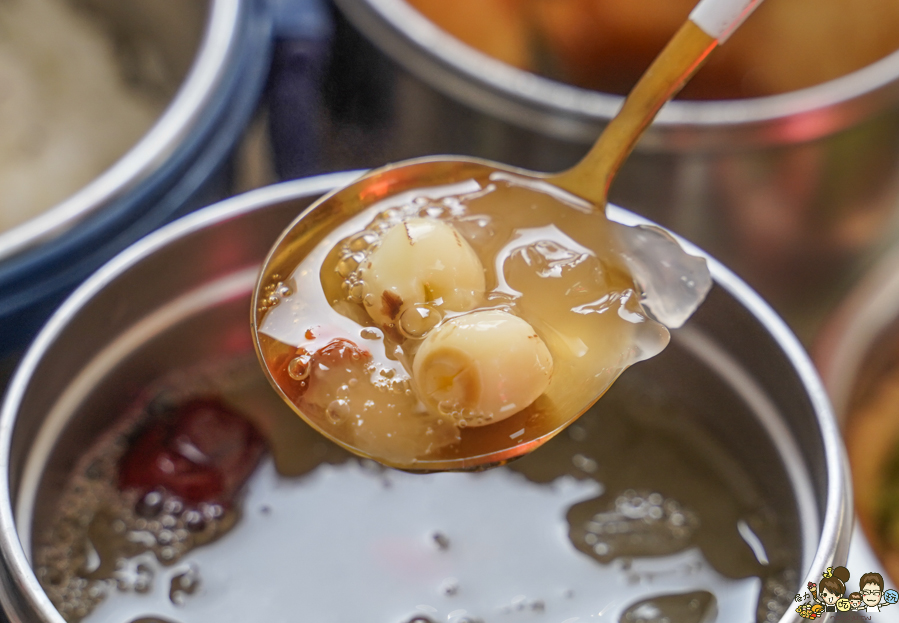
x: 470, y: 319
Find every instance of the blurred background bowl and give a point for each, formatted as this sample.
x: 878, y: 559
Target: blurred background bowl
x: 858, y: 356
x: 181, y: 297
x: 208, y: 60
x: 796, y: 191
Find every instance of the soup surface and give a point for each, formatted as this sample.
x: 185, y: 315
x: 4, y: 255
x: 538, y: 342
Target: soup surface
x: 632, y: 514
x: 606, y: 45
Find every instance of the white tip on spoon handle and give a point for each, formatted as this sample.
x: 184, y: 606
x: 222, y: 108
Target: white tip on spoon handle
x: 719, y: 18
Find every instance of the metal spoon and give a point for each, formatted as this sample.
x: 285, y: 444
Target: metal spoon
x: 319, y: 226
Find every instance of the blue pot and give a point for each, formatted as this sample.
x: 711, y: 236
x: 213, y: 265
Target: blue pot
x: 180, y: 164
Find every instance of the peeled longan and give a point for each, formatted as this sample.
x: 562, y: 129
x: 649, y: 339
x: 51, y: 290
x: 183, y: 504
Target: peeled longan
x: 482, y: 367
x: 421, y: 261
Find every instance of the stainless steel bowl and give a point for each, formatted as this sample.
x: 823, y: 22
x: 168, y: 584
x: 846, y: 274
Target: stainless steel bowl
x: 181, y: 296
x: 794, y: 192
x: 210, y: 57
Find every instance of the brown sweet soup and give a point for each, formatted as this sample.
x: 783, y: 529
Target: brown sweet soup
x: 624, y: 516
x: 606, y: 45
x: 469, y: 320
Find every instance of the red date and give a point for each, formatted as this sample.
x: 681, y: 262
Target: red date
x: 203, y: 452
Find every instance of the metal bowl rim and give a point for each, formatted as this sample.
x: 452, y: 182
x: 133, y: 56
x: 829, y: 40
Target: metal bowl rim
x: 853, y: 329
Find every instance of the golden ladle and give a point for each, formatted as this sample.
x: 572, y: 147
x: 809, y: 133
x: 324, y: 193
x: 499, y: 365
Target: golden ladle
x: 319, y: 226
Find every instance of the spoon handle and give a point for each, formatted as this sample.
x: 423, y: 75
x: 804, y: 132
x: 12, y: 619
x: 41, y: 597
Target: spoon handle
x: 710, y: 23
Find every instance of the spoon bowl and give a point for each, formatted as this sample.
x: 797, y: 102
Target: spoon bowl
x: 326, y: 335
x: 593, y: 335
x: 316, y: 227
